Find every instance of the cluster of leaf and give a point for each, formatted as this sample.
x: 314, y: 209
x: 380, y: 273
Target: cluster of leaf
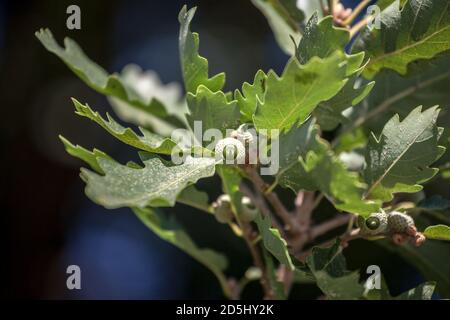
x: 321, y: 88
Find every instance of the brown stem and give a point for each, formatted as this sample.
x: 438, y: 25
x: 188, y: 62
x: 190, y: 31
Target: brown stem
x: 286, y: 276
x: 257, y: 260
x: 329, y: 225
x: 273, y: 199
x: 305, y: 208
x: 345, y: 238
x: 260, y: 203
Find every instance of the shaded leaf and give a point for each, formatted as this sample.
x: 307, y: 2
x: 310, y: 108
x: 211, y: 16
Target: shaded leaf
x: 322, y: 39
x: 148, y: 85
x: 194, y: 67
x: 435, y: 202
x: 213, y: 110
x: 399, y: 159
x: 194, y: 198
x: 329, y: 113
x: 422, y: 292
x: 284, y: 18
x: 329, y: 269
x: 307, y: 162
x: 273, y: 241
x: 420, y: 30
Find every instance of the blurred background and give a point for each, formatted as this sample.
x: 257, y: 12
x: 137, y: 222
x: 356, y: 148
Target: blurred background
x: 48, y: 223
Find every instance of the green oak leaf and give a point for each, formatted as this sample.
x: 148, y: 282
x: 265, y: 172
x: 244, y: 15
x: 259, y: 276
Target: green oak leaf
x: 148, y: 85
x: 247, y: 100
x: 419, y: 30
x: 291, y: 98
x: 422, y: 292
x: 148, y: 141
x: 98, y: 79
x: 322, y: 39
x: 438, y: 232
x: 189, y: 196
x: 307, y: 162
x: 398, y: 161
x: 273, y: 241
x: 168, y: 229
x: 156, y: 184
x: 329, y: 268
x: 329, y: 113
x: 284, y: 18
x: 213, y: 110
x: 195, y: 198
x: 90, y: 157
x: 194, y: 67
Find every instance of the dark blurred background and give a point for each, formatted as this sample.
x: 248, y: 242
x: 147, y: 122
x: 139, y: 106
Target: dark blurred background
x: 47, y: 221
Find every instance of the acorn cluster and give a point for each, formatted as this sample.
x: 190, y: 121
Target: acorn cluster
x: 399, y: 226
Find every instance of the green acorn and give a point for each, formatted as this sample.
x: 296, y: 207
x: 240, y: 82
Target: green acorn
x: 222, y: 209
x: 399, y: 222
x: 375, y: 224
x: 248, y: 210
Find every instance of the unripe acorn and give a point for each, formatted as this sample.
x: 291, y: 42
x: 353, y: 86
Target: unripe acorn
x: 399, y: 222
x: 222, y: 209
x: 249, y: 211
x: 375, y: 224
x: 230, y: 149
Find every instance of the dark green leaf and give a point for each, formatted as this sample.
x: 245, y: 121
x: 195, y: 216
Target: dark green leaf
x: 399, y: 160
x: 194, y: 67
x: 273, y: 241
x: 421, y: 30
x: 213, y: 110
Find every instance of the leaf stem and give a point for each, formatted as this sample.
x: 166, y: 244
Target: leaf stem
x: 272, y: 198
x: 329, y: 225
x: 260, y: 203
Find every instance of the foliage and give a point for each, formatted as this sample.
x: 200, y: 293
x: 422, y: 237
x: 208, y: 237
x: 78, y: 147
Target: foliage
x: 379, y: 104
